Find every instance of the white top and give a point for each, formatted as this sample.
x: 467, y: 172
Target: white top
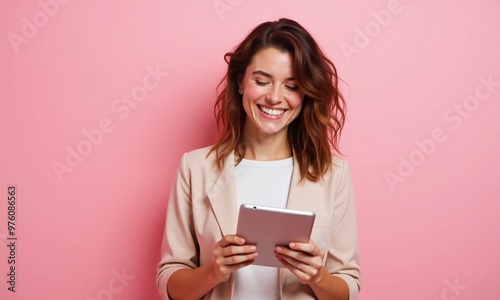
x: 262, y: 183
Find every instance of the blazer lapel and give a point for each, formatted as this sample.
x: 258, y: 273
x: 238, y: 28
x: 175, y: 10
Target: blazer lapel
x: 222, y: 197
x: 298, y: 192
x: 297, y: 199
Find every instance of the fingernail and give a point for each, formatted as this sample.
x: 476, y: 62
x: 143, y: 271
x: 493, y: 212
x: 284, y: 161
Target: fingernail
x: 279, y: 249
x: 292, y: 245
x: 253, y: 248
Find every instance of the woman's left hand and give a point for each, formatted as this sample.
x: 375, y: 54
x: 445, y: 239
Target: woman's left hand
x: 304, y: 260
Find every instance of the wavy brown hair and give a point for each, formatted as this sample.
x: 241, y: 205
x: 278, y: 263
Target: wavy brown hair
x: 316, y: 130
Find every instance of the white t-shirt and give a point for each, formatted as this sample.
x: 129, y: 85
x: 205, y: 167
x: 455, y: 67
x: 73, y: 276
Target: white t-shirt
x: 262, y: 183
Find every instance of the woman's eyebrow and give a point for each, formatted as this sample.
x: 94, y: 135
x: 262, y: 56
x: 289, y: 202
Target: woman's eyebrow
x: 265, y: 74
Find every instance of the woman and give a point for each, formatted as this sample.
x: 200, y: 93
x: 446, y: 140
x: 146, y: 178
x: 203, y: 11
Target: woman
x: 280, y: 115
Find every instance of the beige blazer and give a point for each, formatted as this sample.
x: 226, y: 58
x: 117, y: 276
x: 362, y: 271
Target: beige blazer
x: 202, y: 208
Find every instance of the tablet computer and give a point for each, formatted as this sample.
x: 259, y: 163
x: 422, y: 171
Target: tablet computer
x: 267, y: 227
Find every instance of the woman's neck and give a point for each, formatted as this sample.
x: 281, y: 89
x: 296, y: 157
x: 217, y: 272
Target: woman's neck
x: 263, y: 146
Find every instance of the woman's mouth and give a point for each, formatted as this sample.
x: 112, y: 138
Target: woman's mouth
x: 271, y: 112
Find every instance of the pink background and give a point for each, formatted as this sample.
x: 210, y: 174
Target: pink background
x: 422, y: 138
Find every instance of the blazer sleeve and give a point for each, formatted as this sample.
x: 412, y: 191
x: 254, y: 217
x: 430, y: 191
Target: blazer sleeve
x: 179, y: 246
x: 344, y: 260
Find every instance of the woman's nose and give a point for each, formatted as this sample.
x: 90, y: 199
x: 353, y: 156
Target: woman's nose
x: 275, y: 95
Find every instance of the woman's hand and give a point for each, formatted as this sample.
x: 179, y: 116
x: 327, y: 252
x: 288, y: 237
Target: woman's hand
x: 231, y: 254
x: 304, y: 260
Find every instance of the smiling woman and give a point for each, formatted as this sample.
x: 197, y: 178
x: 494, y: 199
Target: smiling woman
x: 279, y: 115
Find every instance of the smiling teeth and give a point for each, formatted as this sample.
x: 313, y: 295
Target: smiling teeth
x: 272, y: 112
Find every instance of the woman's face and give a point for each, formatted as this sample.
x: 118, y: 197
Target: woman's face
x: 271, y: 97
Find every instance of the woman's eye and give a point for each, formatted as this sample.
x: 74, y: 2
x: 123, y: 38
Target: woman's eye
x: 261, y: 82
x: 291, y: 87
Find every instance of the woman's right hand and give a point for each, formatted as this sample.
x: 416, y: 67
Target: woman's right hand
x: 231, y: 254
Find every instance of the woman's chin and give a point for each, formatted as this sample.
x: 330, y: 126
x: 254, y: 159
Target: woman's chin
x: 271, y: 130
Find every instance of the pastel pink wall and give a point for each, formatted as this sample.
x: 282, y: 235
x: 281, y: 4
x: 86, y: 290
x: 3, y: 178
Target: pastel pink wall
x: 93, y: 168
